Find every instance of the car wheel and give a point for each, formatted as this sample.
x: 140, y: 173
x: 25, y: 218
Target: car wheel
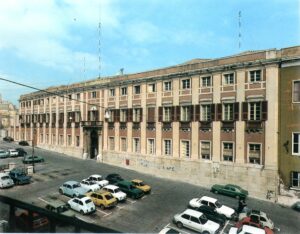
x: 179, y: 224
x: 102, y: 207
x: 205, y: 232
x: 216, y: 192
x: 74, y: 195
x: 60, y: 191
x: 81, y: 212
x: 237, y: 197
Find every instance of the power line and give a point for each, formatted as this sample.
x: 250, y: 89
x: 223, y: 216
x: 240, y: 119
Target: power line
x: 49, y: 92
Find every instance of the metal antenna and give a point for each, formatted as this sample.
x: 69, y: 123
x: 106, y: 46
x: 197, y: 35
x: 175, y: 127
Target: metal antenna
x: 99, y: 43
x: 240, y: 27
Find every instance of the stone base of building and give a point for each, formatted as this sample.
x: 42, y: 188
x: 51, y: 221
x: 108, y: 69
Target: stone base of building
x: 72, y: 151
x: 261, y: 182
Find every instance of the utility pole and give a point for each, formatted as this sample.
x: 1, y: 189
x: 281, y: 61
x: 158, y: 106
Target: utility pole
x: 33, y: 143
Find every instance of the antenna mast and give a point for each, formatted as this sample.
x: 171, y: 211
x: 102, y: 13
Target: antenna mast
x: 240, y: 33
x: 99, y: 43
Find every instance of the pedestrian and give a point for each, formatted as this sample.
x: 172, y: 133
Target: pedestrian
x: 242, y: 204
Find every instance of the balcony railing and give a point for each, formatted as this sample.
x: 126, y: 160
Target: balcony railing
x: 91, y: 124
x: 227, y: 125
x: 185, y: 125
x: 167, y: 126
x: 205, y: 126
x: 136, y: 126
x: 254, y: 126
x: 123, y: 125
x: 150, y: 126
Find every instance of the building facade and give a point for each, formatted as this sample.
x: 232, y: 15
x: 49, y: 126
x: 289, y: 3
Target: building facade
x: 203, y: 122
x: 8, y: 114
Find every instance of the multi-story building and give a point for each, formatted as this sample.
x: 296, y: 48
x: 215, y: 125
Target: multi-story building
x: 203, y: 122
x: 8, y: 113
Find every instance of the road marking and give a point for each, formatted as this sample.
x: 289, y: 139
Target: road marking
x: 102, y: 211
x: 224, y: 226
x: 85, y: 219
x: 131, y: 201
x: 43, y: 200
x: 276, y: 228
x: 107, y: 214
x: 179, y: 230
x: 144, y: 197
x: 120, y: 207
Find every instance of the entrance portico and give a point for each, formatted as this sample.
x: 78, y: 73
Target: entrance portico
x: 92, y: 141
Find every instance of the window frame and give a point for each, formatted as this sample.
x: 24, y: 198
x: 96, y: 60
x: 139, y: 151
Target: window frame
x: 124, y: 91
x: 94, y: 94
x: 151, y: 88
x: 121, y: 144
x: 148, y: 146
x: 294, y: 81
x: 167, y: 113
x: 136, y: 150
x: 255, y: 77
x: 200, y: 150
x: 202, y: 83
x: 249, y: 111
x: 230, y: 112
x: 292, y: 179
x: 112, y: 92
x: 224, y: 83
x: 164, y: 147
x: 189, y: 149
x: 185, y: 113
x: 135, y: 89
x: 233, y: 151
x: 110, y: 145
x: 293, y: 153
x: 208, y: 113
x: 169, y: 86
x: 260, y: 152
x: 185, y: 86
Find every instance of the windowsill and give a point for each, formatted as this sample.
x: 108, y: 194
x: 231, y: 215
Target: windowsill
x: 297, y: 155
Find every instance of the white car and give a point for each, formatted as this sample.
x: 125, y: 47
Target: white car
x: 5, y: 181
x: 212, y: 202
x: 90, y: 185
x: 169, y: 230
x: 116, y: 192
x: 82, y: 204
x: 13, y: 152
x: 259, y: 216
x: 98, y: 179
x: 197, y: 221
x: 246, y: 229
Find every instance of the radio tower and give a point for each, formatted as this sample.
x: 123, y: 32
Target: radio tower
x: 99, y: 44
x: 240, y: 33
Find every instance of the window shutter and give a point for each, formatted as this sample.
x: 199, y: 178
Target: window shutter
x: 245, y: 111
x: 219, y: 112
x: 151, y: 115
x: 264, y: 110
x: 32, y: 118
x: 213, y: 112
x: 160, y: 114
x: 89, y: 116
x: 141, y: 119
x: 97, y: 115
x: 197, y: 113
x: 129, y: 115
x: 247, y: 77
x: 236, y: 111
x: 191, y: 113
x: 117, y: 115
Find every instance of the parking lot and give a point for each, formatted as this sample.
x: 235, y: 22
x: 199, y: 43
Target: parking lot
x: 149, y: 214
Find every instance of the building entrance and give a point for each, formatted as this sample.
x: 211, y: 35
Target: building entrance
x: 94, y: 144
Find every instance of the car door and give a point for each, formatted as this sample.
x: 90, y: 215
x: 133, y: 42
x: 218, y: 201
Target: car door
x: 69, y: 190
x: 195, y: 224
x: 80, y: 206
x: 74, y: 204
x: 185, y: 219
x: 94, y: 198
x: 264, y: 222
x: 100, y: 200
x: 227, y: 191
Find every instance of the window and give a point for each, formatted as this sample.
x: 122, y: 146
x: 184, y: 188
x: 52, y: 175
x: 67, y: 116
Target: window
x: 206, y: 81
x: 296, y: 91
x: 112, y: 92
x: 61, y: 139
x: 186, y: 84
x: 124, y: 91
x: 77, y: 116
x: 167, y: 114
x: 228, y: 151
x: 206, y: 112
x: 77, y: 141
x: 296, y: 143
x: 152, y: 88
x: 78, y: 96
x: 136, y: 145
x: 167, y: 147
x: 123, y: 115
x: 111, y: 143
x: 137, y: 89
x: 167, y: 86
x: 295, y: 179
x: 254, y: 153
x: 136, y: 115
x: 41, y: 138
x: 151, y: 146
x: 123, y: 144
x: 185, y: 149
x: 53, y: 139
x: 228, y: 79
x: 185, y: 113
x: 255, y: 111
x: 227, y: 112
x: 111, y: 116
x: 255, y: 76
x: 69, y: 139
x: 70, y: 97
x: 93, y: 94
x: 205, y: 150
x: 47, y: 138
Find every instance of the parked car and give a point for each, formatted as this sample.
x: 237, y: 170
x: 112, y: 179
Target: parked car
x: 212, y: 214
x: 169, y: 230
x: 98, y: 179
x: 90, y: 185
x: 296, y: 206
x: 230, y: 190
x: 103, y: 199
x: 23, y: 222
x: 246, y: 229
x: 254, y: 223
x: 8, y: 139
x: 31, y: 159
x: 82, y: 204
x: 24, y: 143
x: 21, y: 152
x: 72, y: 189
x: 114, y: 178
x: 258, y: 215
x: 212, y: 202
x: 197, y: 221
x: 19, y: 176
x: 5, y: 181
x: 141, y: 185
x: 13, y: 153
x: 59, y: 207
x: 128, y: 188
x: 4, y: 154
x: 115, y: 191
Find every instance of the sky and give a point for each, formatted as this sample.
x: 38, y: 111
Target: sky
x: 56, y: 42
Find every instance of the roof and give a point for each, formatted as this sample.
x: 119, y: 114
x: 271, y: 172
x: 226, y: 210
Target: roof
x: 96, y: 175
x: 251, y: 229
x: 110, y: 186
x: 56, y: 203
x: 210, y: 199
x: 137, y: 181
x: 71, y: 182
x: 100, y: 192
x: 192, y: 212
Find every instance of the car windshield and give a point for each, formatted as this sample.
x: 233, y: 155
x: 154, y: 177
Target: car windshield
x: 88, y: 201
x: 108, y: 197
x: 203, y: 219
x: 141, y: 184
x: 118, y: 190
x: 1, y: 151
x: 218, y: 204
x: 5, y: 178
x: 76, y: 185
x: 61, y: 209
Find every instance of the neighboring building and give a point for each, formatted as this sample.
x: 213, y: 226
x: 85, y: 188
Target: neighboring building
x: 8, y: 113
x: 203, y: 122
x: 289, y: 145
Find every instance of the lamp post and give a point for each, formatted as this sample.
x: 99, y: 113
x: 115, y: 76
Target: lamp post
x: 33, y: 143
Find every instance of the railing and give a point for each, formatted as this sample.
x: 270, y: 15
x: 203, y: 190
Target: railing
x: 86, y: 124
x: 204, y: 125
x: 185, y: 125
x: 150, y: 126
x: 123, y: 125
x: 166, y: 125
x: 227, y: 125
x: 136, y: 125
x: 254, y: 126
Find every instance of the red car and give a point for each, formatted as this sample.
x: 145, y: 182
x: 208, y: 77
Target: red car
x: 248, y: 221
x: 39, y: 223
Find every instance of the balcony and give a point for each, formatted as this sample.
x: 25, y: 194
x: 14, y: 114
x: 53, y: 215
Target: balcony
x: 254, y: 126
x: 166, y: 126
x: 111, y: 125
x: 136, y: 125
x: 123, y: 125
x: 205, y: 126
x: 77, y: 124
x: 185, y: 126
x: 227, y: 126
x: 92, y: 124
x: 150, y: 126
x: 53, y: 125
x: 69, y: 124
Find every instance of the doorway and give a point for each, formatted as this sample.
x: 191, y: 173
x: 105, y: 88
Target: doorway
x: 94, y: 144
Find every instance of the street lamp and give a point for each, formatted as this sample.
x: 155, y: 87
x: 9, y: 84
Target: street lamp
x: 33, y: 143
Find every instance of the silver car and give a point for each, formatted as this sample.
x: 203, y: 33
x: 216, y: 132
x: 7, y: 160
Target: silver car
x: 4, y: 154
x: 5, y: 181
